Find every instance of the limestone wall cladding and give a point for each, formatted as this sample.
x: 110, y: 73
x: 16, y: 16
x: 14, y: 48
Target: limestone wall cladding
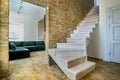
x: 42, y: 3
x: 4, y: 68
x: 64, y: 15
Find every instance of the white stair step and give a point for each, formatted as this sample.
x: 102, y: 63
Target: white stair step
x: 80, y: 34
x: 89, y: 21
x: 80, y: 37
x: 82, y: 30
x: 74, y: 60
x: 77, y: 35
x: 87, y: 25
x: 84, y: 27
x: 81, y: 70
x: 71, y: 45
x: 91, y: 17
x: 76, y: 40
x: 51, y: 52
x: 69, y: 52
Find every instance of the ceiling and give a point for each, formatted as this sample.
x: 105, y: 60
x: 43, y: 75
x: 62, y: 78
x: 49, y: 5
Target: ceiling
x: 27, y: 9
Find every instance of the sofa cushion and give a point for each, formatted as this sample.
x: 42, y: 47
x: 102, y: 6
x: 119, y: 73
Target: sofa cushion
x: 19, y: 49
x: 39, y: 43
x: 41, y: 47
x: 13, y: 46
x: 20, y: 52
x: 18, y: 44
x: 32, y: 48
x: 10, y: 47
x: 28, y: 43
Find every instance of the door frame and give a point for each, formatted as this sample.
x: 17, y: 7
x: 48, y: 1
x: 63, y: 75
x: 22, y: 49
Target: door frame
x: 108, y: 11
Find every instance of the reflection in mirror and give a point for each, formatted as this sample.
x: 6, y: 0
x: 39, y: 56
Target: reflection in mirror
x: 26, y: 35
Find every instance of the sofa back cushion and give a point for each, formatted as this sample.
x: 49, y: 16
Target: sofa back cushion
x: 13, y: 46
x: 40, y: 43
x: 10, y: 47
x: 18, y: 44
x: 28, y: 43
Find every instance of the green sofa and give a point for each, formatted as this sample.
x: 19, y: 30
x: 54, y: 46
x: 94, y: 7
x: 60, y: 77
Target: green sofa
x: 22, y: 49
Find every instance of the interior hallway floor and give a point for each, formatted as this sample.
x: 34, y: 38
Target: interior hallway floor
x: 36, y: 68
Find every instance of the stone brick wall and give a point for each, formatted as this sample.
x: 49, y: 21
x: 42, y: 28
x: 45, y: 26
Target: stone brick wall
x: 4, y: 68
x: 64, y: 15
x: 41, y: 3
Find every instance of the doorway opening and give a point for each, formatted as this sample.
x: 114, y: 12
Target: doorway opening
x: 24, y: 31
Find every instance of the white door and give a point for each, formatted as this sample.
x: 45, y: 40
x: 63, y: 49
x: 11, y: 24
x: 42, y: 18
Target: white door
x: 114, y: 24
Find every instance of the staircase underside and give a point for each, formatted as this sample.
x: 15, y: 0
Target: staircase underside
x: 71, y: 56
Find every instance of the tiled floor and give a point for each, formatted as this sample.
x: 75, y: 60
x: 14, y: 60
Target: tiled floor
x: 35, y: 68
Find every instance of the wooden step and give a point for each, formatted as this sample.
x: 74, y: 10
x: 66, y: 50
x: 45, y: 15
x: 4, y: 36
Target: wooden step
x: 82, y: 69
x: 74, y: 60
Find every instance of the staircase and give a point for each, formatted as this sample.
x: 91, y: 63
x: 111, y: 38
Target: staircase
x: 71, y: 56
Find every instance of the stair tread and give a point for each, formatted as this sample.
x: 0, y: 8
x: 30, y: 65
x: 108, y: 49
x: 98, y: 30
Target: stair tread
x: 69, y: 49
x: 80, y: 34
x: 70, y: 58
x: 81, y: 67
x: 86, y: 26
x: 70, y: 43
x: 82, y: 38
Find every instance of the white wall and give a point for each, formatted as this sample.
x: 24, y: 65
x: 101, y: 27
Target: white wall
x: 93, y: 49
x: 30, y: 25
x: 41, y: 33
x: 104, y: 48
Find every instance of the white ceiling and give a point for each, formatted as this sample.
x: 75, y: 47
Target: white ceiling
x: 29, y: 10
